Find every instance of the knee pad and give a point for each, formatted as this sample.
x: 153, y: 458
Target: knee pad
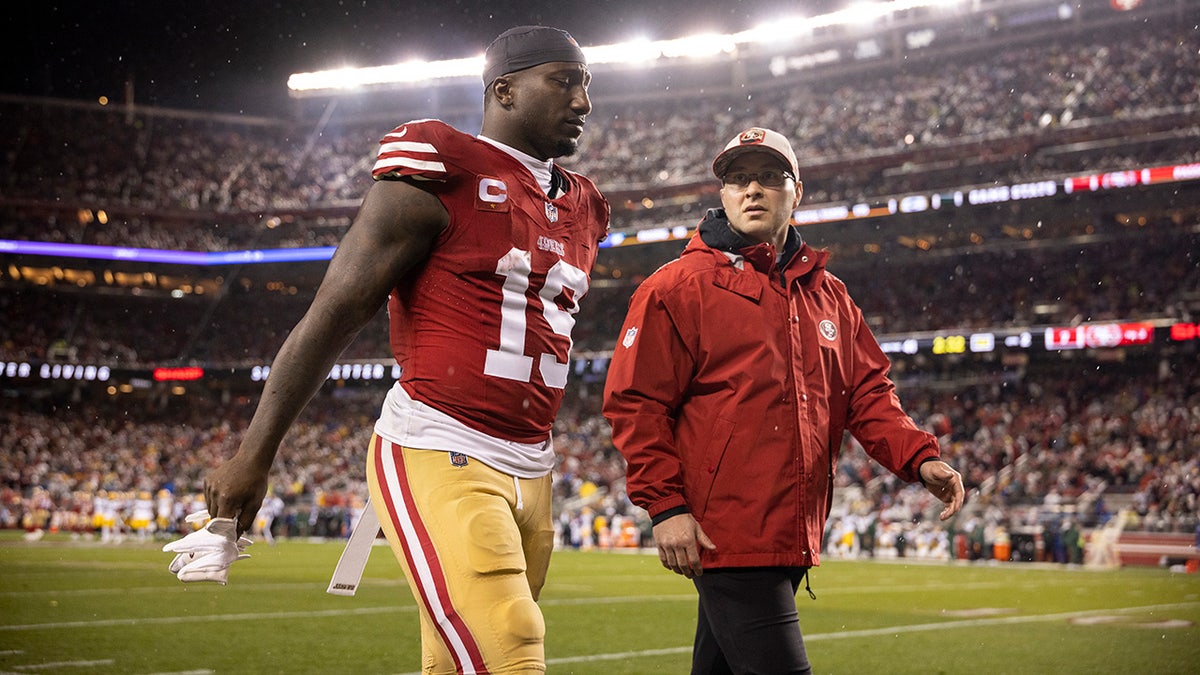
x: 522, y: 618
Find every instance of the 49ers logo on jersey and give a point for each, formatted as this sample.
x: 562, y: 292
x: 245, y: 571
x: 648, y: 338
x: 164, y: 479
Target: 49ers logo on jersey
x: 492, y: 195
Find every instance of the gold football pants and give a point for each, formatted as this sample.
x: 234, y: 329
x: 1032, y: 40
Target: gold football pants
x: 475, y: 545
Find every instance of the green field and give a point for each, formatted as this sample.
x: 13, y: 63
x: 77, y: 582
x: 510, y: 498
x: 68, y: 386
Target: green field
x: 84, y: 608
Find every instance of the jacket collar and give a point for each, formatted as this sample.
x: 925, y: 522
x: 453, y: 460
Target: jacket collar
x: 797, y: 259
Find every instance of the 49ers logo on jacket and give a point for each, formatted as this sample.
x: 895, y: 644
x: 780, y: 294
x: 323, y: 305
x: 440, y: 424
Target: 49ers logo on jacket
x: 828, y: 329
x: 492, y: 195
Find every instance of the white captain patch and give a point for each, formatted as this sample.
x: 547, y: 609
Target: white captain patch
x: 828, y: 329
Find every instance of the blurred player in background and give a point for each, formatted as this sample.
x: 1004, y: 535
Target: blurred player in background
x: 164, y: 507
x: 738, y: 368
x: 482, y: 248
x: 271, y: 509
x: 141, y: 515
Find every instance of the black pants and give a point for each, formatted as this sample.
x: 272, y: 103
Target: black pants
x: 748, y: 624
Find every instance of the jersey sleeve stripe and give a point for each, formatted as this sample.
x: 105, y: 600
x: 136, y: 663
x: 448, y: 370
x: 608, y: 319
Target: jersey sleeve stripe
x: 389, y: 164
x: 406, y: 146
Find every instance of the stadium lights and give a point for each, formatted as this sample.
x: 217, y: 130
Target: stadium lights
x: 633, y: 53
x: 411, y: 71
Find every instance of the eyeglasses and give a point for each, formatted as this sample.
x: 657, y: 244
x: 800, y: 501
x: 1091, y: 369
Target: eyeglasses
x: 770, y: 178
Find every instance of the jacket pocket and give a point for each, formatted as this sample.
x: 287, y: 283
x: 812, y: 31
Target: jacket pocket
x: 706, y: 473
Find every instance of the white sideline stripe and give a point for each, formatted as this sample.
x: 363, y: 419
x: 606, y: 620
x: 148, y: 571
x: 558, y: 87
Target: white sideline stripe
x: 997, y: 621
x: 187, y: 672
x: 669, y: 651
x: 259, y: 616
x: 559, y: 587
x: 156, y: 590
x: 208, y: 618
x: 65, y: 664
x: 179, y: 586
x: 874, y: 632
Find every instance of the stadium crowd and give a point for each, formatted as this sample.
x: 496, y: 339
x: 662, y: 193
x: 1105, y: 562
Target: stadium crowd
x: 1013, y: 113
x: 1050, y: 445
x: 1066, y: 444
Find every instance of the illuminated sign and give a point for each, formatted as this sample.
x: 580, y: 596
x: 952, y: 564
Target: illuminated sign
x: 342, y: 371
x: 178, y: 374
x: 983, y: 342
x: 1185, y: 331
x: 55, y: 371
x: 949, y: 344
x: 1100, y: 335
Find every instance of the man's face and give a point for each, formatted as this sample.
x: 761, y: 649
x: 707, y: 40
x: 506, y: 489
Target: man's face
x: 551, y: 102
x: 757, y: 211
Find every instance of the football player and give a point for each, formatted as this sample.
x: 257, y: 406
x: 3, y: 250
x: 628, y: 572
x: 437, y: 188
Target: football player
x: 482, y: 247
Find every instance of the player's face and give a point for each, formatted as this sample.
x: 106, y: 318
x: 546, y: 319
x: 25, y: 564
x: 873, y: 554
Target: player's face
x: 759, y: 212
x: 552, y: 102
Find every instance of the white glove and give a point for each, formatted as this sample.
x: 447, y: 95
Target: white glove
x: 207, y: 554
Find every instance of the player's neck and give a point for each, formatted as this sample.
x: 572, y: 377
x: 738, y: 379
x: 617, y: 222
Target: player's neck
x: 541, y: 169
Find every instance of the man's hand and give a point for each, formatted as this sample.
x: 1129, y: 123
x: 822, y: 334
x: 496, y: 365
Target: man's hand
x: 678, y: 539
x: 236, y: 490
x: 944, y: 483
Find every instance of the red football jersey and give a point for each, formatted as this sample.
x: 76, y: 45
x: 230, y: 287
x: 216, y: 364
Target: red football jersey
x: 483, y: 330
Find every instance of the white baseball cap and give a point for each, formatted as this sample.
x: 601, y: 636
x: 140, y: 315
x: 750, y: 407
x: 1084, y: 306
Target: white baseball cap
x: 756, y: 139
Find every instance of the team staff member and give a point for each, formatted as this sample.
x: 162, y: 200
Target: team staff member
x: 736, y: 372
x: 482, y: 247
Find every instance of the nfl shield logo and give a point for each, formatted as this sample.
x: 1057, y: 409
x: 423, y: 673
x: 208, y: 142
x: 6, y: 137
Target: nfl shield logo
x: 458, y: 459
x: 551, y: 212
x: 629, y: 337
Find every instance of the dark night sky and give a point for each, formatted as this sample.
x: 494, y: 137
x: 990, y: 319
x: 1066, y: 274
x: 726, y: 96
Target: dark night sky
x: 223, y: 56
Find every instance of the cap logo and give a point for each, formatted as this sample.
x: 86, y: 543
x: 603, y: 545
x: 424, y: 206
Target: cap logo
x: 752, y: 136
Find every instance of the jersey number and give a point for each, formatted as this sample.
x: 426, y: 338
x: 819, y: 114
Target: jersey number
x: 510, y: 361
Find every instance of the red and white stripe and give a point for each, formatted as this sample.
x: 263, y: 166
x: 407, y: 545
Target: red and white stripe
x: 423, y: 559
x: 407, y: 157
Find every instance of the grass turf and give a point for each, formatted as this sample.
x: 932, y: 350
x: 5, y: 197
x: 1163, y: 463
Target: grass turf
x: 78, y: 607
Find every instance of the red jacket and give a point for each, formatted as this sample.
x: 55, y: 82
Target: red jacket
x: 729, y: 392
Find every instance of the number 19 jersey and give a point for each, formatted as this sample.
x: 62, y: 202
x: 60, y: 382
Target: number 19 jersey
x: 482, y: 331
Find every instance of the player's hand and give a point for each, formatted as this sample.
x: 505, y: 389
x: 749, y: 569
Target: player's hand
x: 678, y: 539
x: 944, y: 483
x: 206, y: 554
x: 236, y: 490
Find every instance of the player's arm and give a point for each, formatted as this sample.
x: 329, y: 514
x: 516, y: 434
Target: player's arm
x: 392, y: 234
